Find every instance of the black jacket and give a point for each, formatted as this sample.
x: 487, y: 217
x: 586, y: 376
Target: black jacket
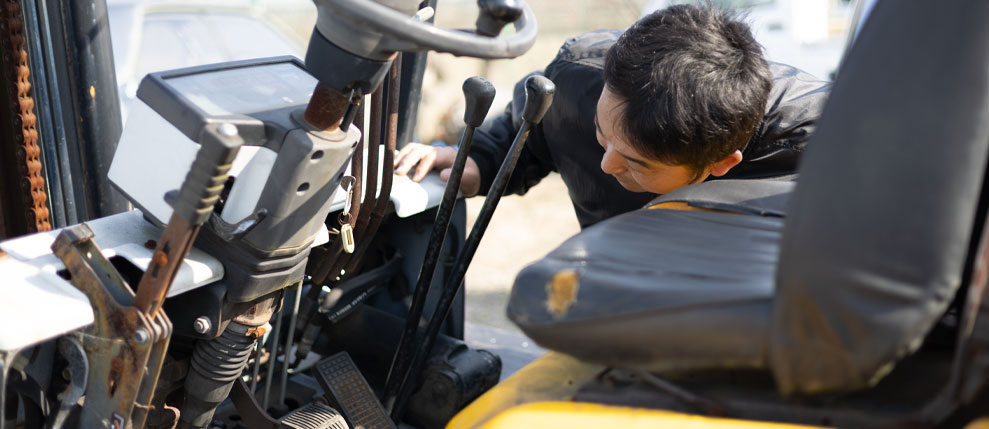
x: 565, y: 141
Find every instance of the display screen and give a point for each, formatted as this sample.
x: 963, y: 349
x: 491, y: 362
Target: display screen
x: 245, y: 90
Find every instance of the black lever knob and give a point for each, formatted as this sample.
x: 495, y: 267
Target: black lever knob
x: 495, y: 15
x: 539, y: 92
x: 478, y: 95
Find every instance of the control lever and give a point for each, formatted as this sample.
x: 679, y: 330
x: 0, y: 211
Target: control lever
x: 495, y: 15
x: 539, y: 93
x: 192, y: 208
x: 198, y: 195
x: 478, y: 95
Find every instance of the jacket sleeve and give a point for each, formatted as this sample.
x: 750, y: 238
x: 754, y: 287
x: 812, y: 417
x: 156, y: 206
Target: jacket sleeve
x: 493, y: 140
x: 567, y: 126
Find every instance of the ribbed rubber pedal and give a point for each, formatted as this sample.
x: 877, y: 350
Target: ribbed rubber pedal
x: 315, y: 415
x: 348, y: 391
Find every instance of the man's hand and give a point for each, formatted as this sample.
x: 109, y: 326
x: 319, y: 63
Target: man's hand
x: 425, y: 158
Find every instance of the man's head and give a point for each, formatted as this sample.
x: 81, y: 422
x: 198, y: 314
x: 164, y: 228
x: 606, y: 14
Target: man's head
x: 685, y: 89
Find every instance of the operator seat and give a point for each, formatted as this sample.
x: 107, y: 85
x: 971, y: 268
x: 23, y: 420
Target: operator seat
x: 869, y: 256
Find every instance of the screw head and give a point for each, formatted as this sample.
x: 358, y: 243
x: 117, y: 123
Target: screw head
x: 141, y: 336
x: 201, y: 325
x: 228, y: 130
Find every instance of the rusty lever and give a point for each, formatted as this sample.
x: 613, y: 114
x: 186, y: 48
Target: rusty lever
x: 192, y: 207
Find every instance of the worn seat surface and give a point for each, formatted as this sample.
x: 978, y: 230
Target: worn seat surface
x: 611, y: 295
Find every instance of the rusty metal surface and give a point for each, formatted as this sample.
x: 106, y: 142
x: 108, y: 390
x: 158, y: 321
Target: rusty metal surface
x: 357, y: 170
x: 78, y: 370
x: 326, y: 108
x: 172, y: 248
x: 328, y: 264
x: 119, y: 341
x: 257, y: 313
x: 162, y: 336
x: 371, y: 187
x: 28, y: 153
x: 375, y: 200
x: 388, y: 166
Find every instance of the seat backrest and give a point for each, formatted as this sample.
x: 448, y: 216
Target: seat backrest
x: 880, y: 222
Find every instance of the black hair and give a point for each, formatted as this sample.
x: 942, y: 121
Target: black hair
x: 694, y: 84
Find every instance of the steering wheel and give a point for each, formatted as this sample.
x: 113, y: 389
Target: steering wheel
x: 407, y: 34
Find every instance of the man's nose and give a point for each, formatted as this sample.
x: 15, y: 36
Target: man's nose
x: 610, y: 162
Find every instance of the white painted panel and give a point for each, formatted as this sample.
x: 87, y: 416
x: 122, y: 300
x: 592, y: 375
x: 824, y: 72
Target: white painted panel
x: 251, y: 169
x: 122, y: 235
x: 37, y: 305
x: 152, y: 158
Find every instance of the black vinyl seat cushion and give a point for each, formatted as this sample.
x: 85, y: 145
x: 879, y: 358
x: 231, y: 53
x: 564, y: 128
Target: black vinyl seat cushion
x: 699, y: 297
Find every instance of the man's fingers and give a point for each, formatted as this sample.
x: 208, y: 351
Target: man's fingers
x: 445, y: 157
x: 407, y: 149
x: 421, y: 155
x: 406, y: 158
x: 423, y: 158
x: 401, y: 158
x: 470, y: 182
x: 425, y: 165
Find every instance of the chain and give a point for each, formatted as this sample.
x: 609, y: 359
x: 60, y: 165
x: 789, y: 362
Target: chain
x: 19, y: 89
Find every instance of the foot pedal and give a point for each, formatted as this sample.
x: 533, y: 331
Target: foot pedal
x: 348, y: 391
x: 316, y: 415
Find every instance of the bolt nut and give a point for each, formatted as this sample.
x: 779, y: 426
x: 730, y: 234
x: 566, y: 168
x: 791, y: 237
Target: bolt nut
x: 141, y: 336
x: 201, y: 325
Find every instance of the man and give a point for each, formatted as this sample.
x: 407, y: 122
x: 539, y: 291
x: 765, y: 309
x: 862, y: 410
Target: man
x: 682, y: 96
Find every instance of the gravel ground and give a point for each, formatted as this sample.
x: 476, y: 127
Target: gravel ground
x: 522, y: 230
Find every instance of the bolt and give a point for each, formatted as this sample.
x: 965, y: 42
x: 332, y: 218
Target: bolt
x: 201, y: 325
x: 228, y: 130
x: 141, y: 336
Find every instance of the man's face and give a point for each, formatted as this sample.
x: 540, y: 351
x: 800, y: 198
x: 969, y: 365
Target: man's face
x: 633, y: 170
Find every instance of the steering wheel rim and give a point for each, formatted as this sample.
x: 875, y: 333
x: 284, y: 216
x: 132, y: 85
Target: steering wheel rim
x: 408, y: 34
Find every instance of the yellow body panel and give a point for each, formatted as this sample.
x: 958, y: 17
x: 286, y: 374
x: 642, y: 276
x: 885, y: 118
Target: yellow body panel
x: 539, y: 395
x: 552, y: 377
x: 577, y: 415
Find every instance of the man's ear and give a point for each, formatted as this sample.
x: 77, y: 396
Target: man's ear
x: 721, y: 168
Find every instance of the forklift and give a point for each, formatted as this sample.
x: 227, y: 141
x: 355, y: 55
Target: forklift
x: 268, y: 275
x: 267, y: 262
